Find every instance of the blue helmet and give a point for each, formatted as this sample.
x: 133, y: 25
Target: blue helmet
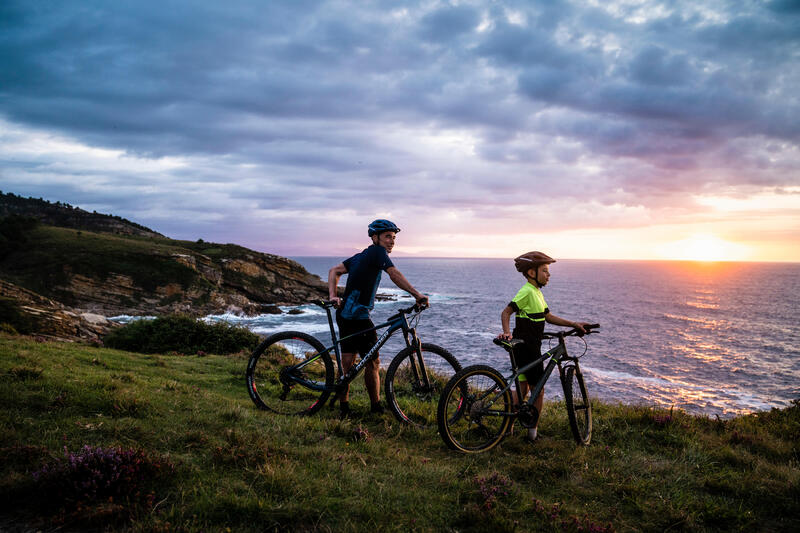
x: 381, y: 225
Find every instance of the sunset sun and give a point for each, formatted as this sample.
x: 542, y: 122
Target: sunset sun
x: 704, y: 247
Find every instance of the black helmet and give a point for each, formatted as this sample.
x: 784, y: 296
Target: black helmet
x: 381, y: 225
x: 532, y: 260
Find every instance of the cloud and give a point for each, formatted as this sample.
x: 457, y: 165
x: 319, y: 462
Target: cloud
x: 422, y: 108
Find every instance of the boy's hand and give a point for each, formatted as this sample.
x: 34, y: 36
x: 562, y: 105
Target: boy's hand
x: 580, y: 327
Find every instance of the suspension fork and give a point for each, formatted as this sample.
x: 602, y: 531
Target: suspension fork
x: 417, y: 363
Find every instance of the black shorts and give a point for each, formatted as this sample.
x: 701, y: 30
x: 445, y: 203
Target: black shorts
x: 360, y: 344
x: 525, y: 354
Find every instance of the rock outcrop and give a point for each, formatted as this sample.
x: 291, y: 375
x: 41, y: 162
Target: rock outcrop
x: 106, y: 265
x: 253, y: 284
x: 45, y: 317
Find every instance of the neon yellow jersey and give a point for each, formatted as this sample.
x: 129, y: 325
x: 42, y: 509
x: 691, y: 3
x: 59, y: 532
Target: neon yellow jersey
x: 529, y: 303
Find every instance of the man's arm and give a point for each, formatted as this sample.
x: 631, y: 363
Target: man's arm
x: 558, y: 321
x: 333, y: 282
x: 400, y: 280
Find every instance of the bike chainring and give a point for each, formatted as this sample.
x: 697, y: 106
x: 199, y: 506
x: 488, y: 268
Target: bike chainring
x: 528, y: 416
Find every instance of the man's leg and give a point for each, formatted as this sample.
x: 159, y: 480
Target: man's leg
x: 347, y: 362
x: 372, y: 379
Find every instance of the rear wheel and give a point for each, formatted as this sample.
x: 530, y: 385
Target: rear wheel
x: 475, y: 410
x: 410, y: 398
x: 290, y: 373
x: 579, y: 409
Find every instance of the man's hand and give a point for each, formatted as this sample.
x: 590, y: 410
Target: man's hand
x: 422, y: 301
x: 336, y: 301
x: 505, y: 336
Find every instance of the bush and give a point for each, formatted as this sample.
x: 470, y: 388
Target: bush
x: 13, y: 319
x: 182, y: 334
x: 101, y: 484
x: 97, y: 474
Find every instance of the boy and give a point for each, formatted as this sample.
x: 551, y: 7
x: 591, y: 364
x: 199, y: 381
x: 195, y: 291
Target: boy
x: 532, y: 312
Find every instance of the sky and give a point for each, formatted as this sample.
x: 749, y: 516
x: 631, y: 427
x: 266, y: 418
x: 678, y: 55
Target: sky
x: 629, y: 129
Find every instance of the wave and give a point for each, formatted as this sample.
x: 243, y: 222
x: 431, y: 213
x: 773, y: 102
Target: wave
x: 125, y: 319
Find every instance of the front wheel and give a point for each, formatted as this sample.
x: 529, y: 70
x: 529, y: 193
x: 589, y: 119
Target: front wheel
x: 290, y: 373
x: 579, y: 409
x: 411, y: 397
x: 475, y: 410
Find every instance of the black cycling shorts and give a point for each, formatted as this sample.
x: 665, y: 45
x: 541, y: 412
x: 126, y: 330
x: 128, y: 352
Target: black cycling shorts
x: 527, y: 353
x: 360, y: 344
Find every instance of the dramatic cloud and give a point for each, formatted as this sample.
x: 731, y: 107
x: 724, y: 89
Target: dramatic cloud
x: 288, y: 125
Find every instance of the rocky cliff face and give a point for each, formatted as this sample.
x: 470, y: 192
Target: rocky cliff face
x: 243, y: 285
x: 110, y: 266
x: 45, y: 317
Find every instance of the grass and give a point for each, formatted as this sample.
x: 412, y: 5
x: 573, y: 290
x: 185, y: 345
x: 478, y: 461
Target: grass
x: 44, y: 259
x: 247, y: 470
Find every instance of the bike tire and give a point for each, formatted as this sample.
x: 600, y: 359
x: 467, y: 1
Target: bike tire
x: 411, y: 401
x: 464, y: 424
x: 579, y: 408
x: 278, y: 352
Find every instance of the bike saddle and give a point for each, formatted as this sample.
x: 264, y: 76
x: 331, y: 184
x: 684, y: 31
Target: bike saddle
x: 507, y: 345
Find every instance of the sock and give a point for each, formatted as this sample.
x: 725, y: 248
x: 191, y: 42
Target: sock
x: 532, y: 433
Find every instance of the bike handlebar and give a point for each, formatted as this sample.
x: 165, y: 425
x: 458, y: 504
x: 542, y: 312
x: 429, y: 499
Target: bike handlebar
x: 574, y: 331
x: 550, y: 335
x: 416, y: 308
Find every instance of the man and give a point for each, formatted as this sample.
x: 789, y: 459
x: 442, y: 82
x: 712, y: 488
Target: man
x: 364, y: 271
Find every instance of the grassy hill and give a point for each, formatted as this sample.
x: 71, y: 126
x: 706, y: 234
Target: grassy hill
x: 131, y: 274
x: 67, y: 216
x: 239, y: 469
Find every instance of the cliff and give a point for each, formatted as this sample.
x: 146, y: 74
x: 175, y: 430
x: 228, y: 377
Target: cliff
x: 123, y: 273
x: 31, y: 313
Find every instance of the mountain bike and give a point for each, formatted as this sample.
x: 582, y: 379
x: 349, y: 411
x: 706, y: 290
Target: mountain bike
x: 477, y: 408
x: 292, y: 372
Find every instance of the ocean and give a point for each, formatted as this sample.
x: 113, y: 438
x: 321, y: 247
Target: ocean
x: 717, y: 339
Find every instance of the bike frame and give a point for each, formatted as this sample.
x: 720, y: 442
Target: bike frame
x: 556, y: 356
x: 396, y: 322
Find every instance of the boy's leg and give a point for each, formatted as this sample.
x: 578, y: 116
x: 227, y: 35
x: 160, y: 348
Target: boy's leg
x: 533, y: 432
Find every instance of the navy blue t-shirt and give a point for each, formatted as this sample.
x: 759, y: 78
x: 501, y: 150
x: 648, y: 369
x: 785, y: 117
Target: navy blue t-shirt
x: 363, y: 277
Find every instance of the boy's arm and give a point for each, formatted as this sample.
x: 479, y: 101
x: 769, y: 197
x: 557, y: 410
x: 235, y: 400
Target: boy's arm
x: 558, y: 321
x: 400, y: 280
x: 333, y: 281
x: 505, y: 320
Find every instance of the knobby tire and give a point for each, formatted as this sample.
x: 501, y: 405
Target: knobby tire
x: 271, y: 384
x: 579, y: 408
x: 467, y: 423
x: 411, y: 401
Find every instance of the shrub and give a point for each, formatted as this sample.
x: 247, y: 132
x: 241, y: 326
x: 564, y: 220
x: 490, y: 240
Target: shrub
x: 95, y: 476
x: 182, y: 334
x: 14, y: 319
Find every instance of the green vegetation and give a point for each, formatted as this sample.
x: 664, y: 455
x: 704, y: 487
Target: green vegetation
x: 44, y: 258
x: 181, y: 334
x: 51, y: 254
x: 12, y: 319
x: 247, y: 470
